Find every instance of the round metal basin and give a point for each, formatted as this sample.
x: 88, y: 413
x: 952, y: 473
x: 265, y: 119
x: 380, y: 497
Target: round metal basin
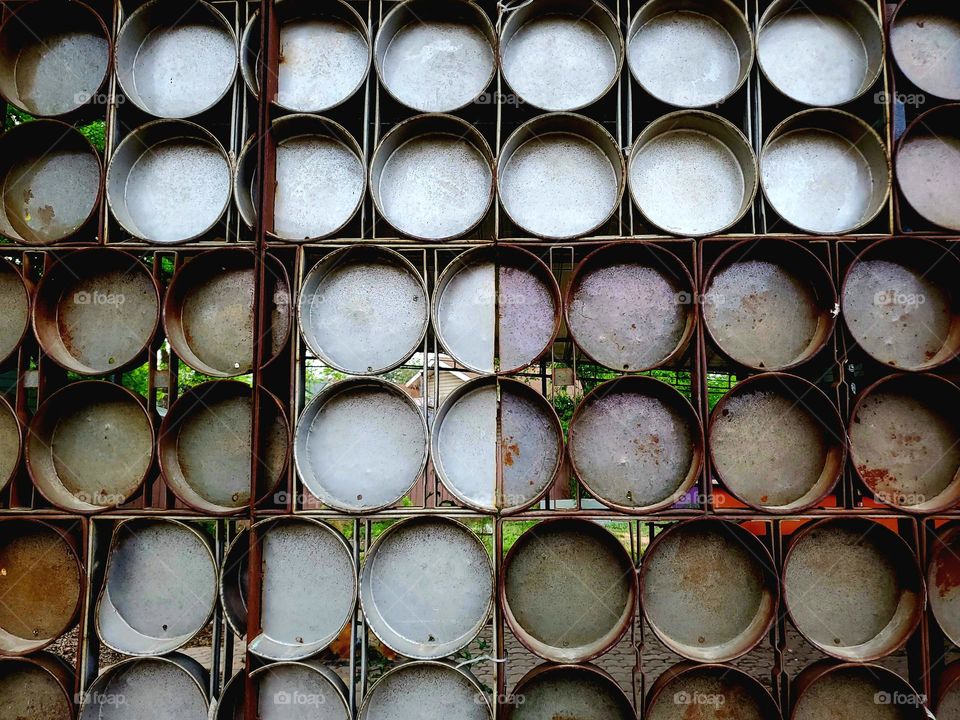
x: 850, y: 691
x: 308, y: 590
x: 551, y: 604
x: 905, y: 442
x: 360, y: 445
x: 53, y: 61
x: 821, y: 53
x: 173, y: 687
x: 497, y: 444
x: 90, y: 446
x: 853, y: 588
x: 40, y: 585
x: 176, y: 62
x: 561, y: 54
x: 15, y: 319
x: 436, y: 57
x: 169, y: 182
x: 825, y: 171
x: 319, y: 178
x: 208, y: 313
x: 496, y: 309
x: 769, y: 305
x: 690, y: 53
x: 943, y: 582
x: 925, y: 42
x: 777, y: 443
x: 709, y: 692
x: 558, y: 692
x: 205, y: 444
x: 364, y: 310
x: 285, y: 689
x: 324, y: 54
x: 38, y: 687
x: 50, y: 175
x: 692, y: 173
x: 709, y: 590
x: 560, y: 176
x: 160, y: 589
x: 636, y: 444
x: 427, y: 587
x: 431, y: 177
x: 426, y: 690
x: 927, y: 172
x: 96, y: 311
x: 11, y: 443
x: 629, y: 306
x: 900, y: 306
x: 948, y: 696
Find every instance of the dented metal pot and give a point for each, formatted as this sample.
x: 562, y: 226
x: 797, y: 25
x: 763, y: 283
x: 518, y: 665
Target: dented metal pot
x: 160, y: 588
x: 717, y: 691
x: 551, y: 607
x: 636, y: 444
x: 948, y: 693
x: 853, y: 588
x: 554, y: 692
x: 96, y: 311
x: 497, y: 444
x: 90, y: 446
x: 926, y: 166
x: 11, y: 443
x: 943, y: 580
x: 496, y: 308
x: 319, y: 179
x: 845, y: 691
x: 925, y: 43
x: 205, y: 444
x: 39, y: 686
x: 208, y: 313
x: 427, y: 690
x: 284, y: 688
x: 15, y: 300
x: 363, y: 310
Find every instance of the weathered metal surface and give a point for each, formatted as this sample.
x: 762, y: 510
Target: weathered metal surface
x: 309, y: 587
x: 431, y: 177
x: 853, y: 588
x: 11, y: 443
x: 559, y: 692
x: 319, y: 178
x: 560, y: 176
x: 208, y: 313
x: 769, y: 305
x: 50, y: 175
x: 821, y: 53
x: 629, y: 306
x: 925, y: 43
x: 483, y: 415
x: 825, y: 171
x: 692, y: 173
x: 363, y: 309
x: 927, y: 172
x: 709, y: 589
x: 905, y: 441
x: 324, y: 54
x: 360, y: 445
x: 40, y: 582
x: 96, y: 311
x: 160, y: 589
x: 561, y: 54
x: 708, y: 692
x: 847, y: 691
x: 38, y: 687
x: 176, y: 61
x: 15, y: 300
x: 899, y: 304
x: 426, y: 690
x: 161, y: 688
x: 90, y: 446
x: 436, y: 57
x: 169, y: 182
x: 690, y: 53
x: 943, y: 582
x: 777, y: 443
x: 636, y: 444
x: 550, y: 583
x: 204, y: 446
x: 287, y: 691
x: 496, y: 308
x: 427, y: 587
x: 948, y: 693
x: 53, y: 62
